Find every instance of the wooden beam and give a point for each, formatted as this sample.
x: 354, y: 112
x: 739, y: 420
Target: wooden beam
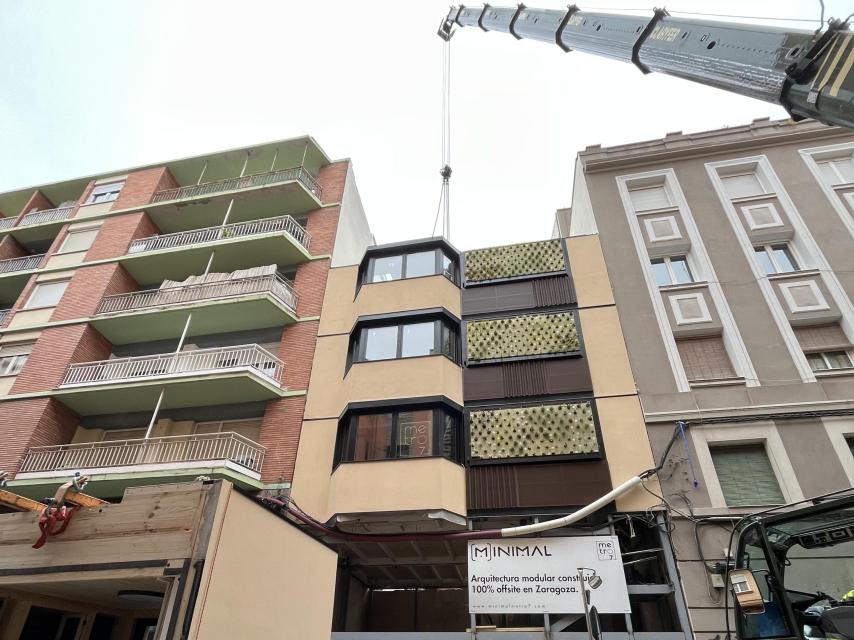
x: 19, y: 503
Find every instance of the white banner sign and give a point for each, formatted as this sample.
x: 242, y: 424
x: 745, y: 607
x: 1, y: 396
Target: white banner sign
x: 540, y: 575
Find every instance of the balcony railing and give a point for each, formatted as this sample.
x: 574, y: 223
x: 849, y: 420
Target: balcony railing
x: 21, y: 264
x: 6, y: 223
x: 166, y: 365
x: 4, y: 315
x: 48, y: 215
x: 208, y: 447
x: 212, y: 234
x: 244, y: 182
x: 273, y: 284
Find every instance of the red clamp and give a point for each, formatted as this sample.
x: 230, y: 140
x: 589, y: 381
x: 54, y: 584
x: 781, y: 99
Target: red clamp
x: 49, y: 518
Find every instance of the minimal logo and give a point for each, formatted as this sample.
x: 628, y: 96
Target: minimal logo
x: 488, y: 551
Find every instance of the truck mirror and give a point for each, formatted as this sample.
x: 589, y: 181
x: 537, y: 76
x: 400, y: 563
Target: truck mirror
x: 746, y: 591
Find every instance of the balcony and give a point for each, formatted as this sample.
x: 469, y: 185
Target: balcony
x: 193, y: 454
x: 4, y: 315
x: 41, y: 225
x: 203, y: 377
x: 292, y: 191
x: 218, y: 307
x: 7, y: 223
x: 14, y: 273
x: 175, y: 256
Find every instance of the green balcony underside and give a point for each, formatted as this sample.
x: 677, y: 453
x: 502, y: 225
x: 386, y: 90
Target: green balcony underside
x: 290, y: 197
x: 33, y: 233
x: 112, y: 485
x: 200, y: 390
x: 11, y: 286
x: 242, y: 252
x: 243, y: 313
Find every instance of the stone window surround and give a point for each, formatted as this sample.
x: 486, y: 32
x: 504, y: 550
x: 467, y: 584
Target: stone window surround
x: 733, y: 341
x: 674, y: 234
x: 747, y: 210
x: 677, y: 309
x: 839, y: 430
x: 803, y: 245
x: 810, y: 157
x: 705, y: 437
x: 794, y: 307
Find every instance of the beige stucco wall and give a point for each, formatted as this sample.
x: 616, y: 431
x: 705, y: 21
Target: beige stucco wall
x: 330, y: 389
x: 606, y: 352
x: 313, y: 470
x: 267, y: 579
x: 589, y: 274
x: 341, y: 305
x: 28, y: 317
x: 66, y: 259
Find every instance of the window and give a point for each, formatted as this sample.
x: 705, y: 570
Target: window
x: 13, y: 357
x: 400, y: 434
x: 78, y: 240
x: 762, y: 216
x: 649, y: 198
x: 837, y: 170
x: 775, y: 258
x: 803, y: 296
x: 826, y: 360
x: 410, y: 265
x: 406, y: 340
x: 743, y: 185
x: 114, y: 435
x: 705, y: 359
x: 690, y: 308
x: 46, y: 294
x: 105, y: 192
x: 746, y: 476
x: 673, y: 270
x: 663, y: 228
x: 249, y: 428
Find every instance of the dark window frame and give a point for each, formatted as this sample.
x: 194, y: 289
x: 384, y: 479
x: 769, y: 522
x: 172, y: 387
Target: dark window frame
x: 439, y: 254
x: 444, y: 326
x: 345, y: 440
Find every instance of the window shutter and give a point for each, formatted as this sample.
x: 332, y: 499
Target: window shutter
x: 742, y: 186
x: 746, y: 476
x: 16, y: 349
x: 650, y: 198
x: 826, y: 337
x: 705, y: 358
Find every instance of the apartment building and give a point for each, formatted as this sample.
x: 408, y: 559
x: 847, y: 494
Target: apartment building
x: 159, y: 325
x: 470, y: 391
x: 729, y: 254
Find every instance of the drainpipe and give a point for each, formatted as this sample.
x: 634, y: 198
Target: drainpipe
x: 202, y: 174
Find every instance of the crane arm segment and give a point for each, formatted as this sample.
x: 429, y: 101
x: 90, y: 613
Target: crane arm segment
x: 810, y: 74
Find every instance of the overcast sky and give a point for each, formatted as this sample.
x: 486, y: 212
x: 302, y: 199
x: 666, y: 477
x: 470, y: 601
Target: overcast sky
x: 90, y: 86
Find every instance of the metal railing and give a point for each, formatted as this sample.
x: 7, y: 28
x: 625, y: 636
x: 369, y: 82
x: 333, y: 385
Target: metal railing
x: 48, y: 215
x: 165, y: 365
x: 4, y: 315
x: 6, y: 223
x: 212, y: 234
x: 21, y: 264
x: 273, y: 284
x: 207, y: 447
x: 245, y: 182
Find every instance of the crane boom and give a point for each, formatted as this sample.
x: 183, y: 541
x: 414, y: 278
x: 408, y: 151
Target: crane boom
x: 811, y: 74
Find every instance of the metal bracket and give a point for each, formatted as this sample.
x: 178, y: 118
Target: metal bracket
x: 656, y: 18
x: 519, y: 9
x: 446, y: 26
x: 571, y: 10
x: 480, y: 18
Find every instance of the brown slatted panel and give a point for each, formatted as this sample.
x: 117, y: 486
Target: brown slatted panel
x: 824, y: 337
x: 705, y: 358
x: 552, y: 292
x: 524, y: 379
x: 491, y: 486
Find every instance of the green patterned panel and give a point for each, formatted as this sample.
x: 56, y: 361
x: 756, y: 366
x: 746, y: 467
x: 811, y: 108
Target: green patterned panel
x: 514, y: 260
x: 527, y: 432
x: 517, y: 336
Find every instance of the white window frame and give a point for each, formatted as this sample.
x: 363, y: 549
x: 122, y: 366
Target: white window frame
x: 107, y: 187
x: 674, y: 234
x: 829, y: 369
x: 677, y: 311
x: 785, y: 289
x: 768, y: 247
x: 811, y: 158
x: 839, y: 430
x: 666, y: 260
x: 831, y: 160
x: 13, y: 356
x: 74, y: 232
x: 706, y: 437
x: 748, y: 210
x: 849, y: 198
x: 28, y: 306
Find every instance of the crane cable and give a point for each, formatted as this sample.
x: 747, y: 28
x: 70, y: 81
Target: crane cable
x: 444, y: 208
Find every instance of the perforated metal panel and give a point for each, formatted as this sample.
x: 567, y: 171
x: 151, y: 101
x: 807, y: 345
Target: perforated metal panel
x: 524, y: 432
x: 514, y: 260
x: 527, y: 335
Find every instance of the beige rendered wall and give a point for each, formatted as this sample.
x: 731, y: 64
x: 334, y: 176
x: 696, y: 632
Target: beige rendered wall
x: 267, y: 579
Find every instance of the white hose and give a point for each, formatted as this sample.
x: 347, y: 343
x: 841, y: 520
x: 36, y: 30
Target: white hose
x: 511, y: 532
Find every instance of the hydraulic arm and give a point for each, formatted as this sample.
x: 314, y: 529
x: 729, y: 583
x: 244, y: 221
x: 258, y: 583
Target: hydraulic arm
x: 811, y: 74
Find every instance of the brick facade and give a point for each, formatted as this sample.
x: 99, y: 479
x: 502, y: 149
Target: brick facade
x: 141, y: 185
x: 280, y: 433
x: 37, y: 201
x: 118, y: 232
x: 88, y: 286
x: 35, y: 422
